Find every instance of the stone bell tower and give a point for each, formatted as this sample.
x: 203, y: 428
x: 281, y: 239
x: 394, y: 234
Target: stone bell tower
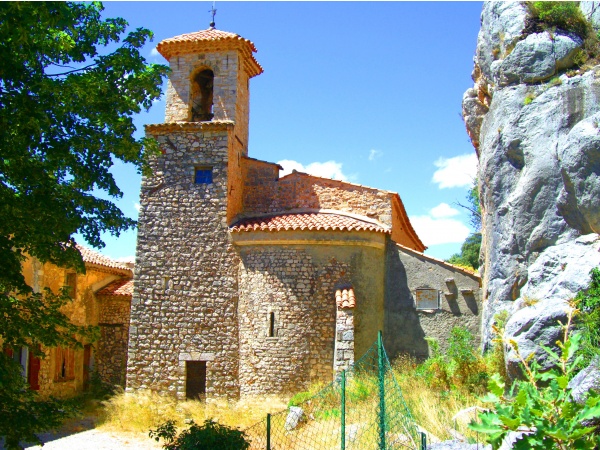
x: 184, y: 326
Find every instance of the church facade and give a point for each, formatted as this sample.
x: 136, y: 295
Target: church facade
x: 248, y: 283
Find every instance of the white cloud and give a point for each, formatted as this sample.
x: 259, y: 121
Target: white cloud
x: 137, y: 207
x: 374, y: 154
x: 459, y: 171
x: 154, y: 52
x: 328, y: 169
x: 443, y: 210
x: 437, y: 228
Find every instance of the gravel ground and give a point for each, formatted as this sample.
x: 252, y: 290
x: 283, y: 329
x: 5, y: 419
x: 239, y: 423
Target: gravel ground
x: 81, y: 435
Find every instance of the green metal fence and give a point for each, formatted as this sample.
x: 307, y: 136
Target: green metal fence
x: 362, y: 409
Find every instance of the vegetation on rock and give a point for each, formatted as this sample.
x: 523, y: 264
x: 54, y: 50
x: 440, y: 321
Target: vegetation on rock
x: 66, y: 116
x: 588, y: 302
x: 540, y: 408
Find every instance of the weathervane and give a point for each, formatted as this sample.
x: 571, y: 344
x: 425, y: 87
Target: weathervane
x: 213, y: 11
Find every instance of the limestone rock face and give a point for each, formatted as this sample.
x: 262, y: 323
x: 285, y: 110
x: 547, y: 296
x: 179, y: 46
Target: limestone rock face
x: 537, y: 57
x: 539, y: 173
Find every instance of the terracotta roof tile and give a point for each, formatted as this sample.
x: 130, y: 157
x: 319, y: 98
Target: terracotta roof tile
x: 344, y: 298
x: 307, y: 222
x: 121, y: 288
x: 92, y: 257
x: 211, y: 39
x: 210, y: 34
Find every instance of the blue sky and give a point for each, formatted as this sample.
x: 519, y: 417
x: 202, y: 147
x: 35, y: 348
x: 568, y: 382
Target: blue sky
x: 369, y: 92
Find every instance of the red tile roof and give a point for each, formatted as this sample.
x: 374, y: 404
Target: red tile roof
x: 344, y: 298
x: 120, y: 288
x: 307, y: 221
x: 210, y: 39
x: 92, y: 257
x: 210, y: 34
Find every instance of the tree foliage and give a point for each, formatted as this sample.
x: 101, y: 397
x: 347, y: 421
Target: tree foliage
x: 469, y: 251
x: 70, y: 82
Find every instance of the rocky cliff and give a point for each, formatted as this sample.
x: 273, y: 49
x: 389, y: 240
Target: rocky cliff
x: 534, y: 119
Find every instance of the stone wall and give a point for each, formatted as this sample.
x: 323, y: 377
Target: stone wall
x: 282, y: 281
x: 225, y: 67
x: 298, y: 190
x: 186, y: 293
x: 406, y: 327
x: 111, y: 349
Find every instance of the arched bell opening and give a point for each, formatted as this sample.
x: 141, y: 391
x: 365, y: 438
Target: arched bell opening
x: 202, y: 95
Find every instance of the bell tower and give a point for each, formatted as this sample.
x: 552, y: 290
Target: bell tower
x: 184, y: 325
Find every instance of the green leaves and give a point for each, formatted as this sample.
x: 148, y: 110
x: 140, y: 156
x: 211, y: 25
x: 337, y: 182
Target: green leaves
x: 542, y: 407
x: 66, y: 109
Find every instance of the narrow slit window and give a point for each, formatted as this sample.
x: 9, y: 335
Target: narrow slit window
x: 271, y: 324
x: 71, y: 283
x: 203, y: 175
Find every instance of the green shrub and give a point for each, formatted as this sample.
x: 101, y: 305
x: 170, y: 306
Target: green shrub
x: 542, y: 406
x: 209, y: 436
x: 564, y: 15
x: 299, y: 398
x: 588, y: 302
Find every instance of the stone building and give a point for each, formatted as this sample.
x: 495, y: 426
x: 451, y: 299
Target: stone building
x: 101, y: 297
x: 247, y: 283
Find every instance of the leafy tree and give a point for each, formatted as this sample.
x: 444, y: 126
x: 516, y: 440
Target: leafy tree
x: 469, y: 251
x: 66, y: 106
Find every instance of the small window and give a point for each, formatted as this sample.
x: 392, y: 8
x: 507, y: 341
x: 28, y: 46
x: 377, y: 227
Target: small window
x: 203, y: 175
x: 271, y: 324
x: 71, y: 283
x: 427, y: 299
x: 64, y: 368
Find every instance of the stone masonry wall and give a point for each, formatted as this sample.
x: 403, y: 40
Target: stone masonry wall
x: 459, y: 302
x: 299, y: 190
x: 287, y: 282
x: 186, y: 293
x: 111, y: 349
x: 225, y: 91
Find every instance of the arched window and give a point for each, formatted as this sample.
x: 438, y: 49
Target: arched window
x: 202, y: 96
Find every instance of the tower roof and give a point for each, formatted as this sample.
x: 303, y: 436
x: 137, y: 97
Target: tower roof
x: 208, y: 40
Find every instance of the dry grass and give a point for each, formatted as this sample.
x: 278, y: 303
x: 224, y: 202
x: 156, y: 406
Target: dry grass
x: 145, y: 410
x: 434, y: 409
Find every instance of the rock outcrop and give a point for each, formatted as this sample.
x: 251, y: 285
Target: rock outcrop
x: 537, y: 134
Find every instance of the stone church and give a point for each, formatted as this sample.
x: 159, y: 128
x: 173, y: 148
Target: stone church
x: 248, y: 283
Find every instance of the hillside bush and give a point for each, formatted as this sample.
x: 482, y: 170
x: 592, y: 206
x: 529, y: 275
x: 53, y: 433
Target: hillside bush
x: 564, y: 15
x: 588, y: 302
x: 541, y: 406
x: 209, y: 436
x: 460, y: 368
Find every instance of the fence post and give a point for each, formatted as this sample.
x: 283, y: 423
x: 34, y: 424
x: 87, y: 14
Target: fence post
x: 343, y: 408
x: 423, y: 441
x: 268, y: 431
x: 380, y: 358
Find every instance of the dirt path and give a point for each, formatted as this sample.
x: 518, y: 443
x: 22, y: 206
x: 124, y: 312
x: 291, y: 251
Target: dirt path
x: 81, y: 435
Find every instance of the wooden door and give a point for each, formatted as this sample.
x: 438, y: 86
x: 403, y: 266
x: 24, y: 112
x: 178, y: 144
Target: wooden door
x: 195, y: 380
x: 33, y: 373
x: 87, y: 359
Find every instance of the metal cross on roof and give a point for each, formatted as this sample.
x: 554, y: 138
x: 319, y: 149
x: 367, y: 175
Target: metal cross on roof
x: 213, y: 11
